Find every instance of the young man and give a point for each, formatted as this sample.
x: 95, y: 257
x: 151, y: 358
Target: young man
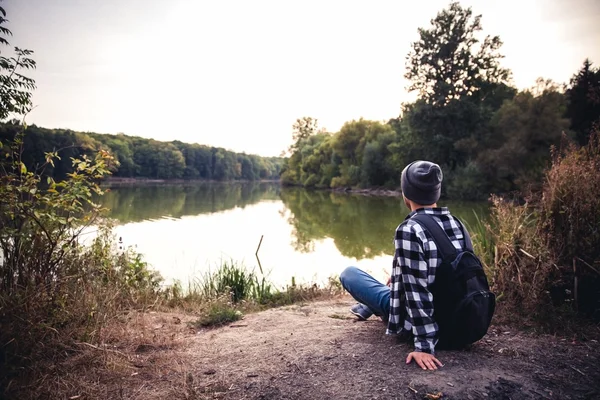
x: 406, y: 303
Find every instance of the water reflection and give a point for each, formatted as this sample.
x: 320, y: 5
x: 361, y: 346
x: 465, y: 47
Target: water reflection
x: 183, y: 230
x: 360, y: 226
x: 132, y: 203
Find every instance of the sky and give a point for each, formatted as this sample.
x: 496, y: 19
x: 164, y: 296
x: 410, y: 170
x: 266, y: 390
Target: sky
x: 237, y: 74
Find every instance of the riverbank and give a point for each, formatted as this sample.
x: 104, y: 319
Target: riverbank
x: 116, y: 181
x: 314, y: 350
x: 141, y: 181
x: 370, y: 192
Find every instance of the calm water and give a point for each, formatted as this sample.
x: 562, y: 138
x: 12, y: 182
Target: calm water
x: 183, y: 230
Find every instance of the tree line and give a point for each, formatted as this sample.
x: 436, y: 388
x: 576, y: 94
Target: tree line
x: 488, y: 136
x: 138, y: 157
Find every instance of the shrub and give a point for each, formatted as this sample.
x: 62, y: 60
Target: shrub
x: 570, y: 217
x: 547, y: 252
x: 54, y: 290
x: 219, y: 313
x: 519, y: 273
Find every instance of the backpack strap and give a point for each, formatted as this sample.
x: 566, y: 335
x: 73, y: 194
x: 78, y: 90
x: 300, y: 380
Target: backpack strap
x: 440, y: 237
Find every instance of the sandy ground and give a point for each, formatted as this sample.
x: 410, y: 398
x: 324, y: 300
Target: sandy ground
x: 317, y: 351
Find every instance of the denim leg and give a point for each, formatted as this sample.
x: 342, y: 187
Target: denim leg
x: 367, y: 290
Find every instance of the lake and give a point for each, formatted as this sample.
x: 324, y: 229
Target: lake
x: 183, y: 230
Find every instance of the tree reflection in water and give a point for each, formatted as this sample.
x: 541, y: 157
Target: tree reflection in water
x: 360, y: 226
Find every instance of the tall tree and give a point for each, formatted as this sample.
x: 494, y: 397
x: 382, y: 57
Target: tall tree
x: 15, y: 88
x: 450, y: 62
x: 302, y: 129
x: 584, y: 101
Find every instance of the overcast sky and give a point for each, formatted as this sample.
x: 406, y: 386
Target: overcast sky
x: 237, y: 74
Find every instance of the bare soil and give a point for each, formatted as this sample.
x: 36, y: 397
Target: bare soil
x: 318, y: 351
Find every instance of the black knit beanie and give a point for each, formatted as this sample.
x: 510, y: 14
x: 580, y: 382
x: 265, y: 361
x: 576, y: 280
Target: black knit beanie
x: 422, y: 182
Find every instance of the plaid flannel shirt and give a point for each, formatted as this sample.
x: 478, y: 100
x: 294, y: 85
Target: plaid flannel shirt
x: 415, y: 262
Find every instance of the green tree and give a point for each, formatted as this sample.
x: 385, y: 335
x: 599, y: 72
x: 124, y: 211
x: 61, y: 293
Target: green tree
x: 450, y: 62
x: 303, y: 128
x: 584, y: 101
x: 524, y: 129
x: 349, y: 145
x: 461, y: 84
x: 377, y: 166
x: 15, y: 88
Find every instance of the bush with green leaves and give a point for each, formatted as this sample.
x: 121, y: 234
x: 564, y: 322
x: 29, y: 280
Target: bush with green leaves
x: 54, y: 288
x: 41, y: 220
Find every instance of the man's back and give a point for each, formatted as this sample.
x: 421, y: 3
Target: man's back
x: 416, y: 261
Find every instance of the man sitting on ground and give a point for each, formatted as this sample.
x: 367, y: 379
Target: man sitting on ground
x: 406, y: 303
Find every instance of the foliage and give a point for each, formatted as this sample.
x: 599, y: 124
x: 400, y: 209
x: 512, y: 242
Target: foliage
x: 219, y: 313
x: 15, y: 88
x: 40, y: 222
x: 523, y: 131
x: 584, y: 101
x: 450, y: 62
x: 483, y: 240
x: 466, y: 183
x: 229, y: 279
x: 517, y: 276
x: 303, y: 128
x: 310, y: 164
x: 141, y: 158
x: 221, y: 296
x: 570, y: 214
x: 325, y: 160
x: 482, y: 150
x: 349, y: 145
x: 487, y: 136
x: 539, y: 246
x: 54, y: 289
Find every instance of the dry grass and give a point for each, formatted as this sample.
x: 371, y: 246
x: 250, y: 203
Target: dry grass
x: 546, y: 269
x: 136, y: 354
x: 138, y: 350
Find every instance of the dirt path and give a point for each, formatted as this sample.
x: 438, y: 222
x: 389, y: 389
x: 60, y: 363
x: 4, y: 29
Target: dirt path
x: 315, y: 351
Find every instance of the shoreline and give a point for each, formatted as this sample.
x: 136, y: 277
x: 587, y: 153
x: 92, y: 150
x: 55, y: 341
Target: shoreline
x: 152, y: 181
x: 369, y: 192
x: 128, y: 181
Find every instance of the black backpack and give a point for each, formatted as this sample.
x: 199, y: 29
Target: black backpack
x: 462, y: 301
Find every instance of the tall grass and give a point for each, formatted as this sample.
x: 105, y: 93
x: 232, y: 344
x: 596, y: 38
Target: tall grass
x: 483, y: 242
x: 232, y: 288
x: 230, y: 278
x: 546, y: 253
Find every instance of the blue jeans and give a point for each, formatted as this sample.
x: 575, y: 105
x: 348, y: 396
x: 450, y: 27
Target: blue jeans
x: 367, y: 290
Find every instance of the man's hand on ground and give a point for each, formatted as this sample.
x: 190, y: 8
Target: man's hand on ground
x: 424, y: 360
